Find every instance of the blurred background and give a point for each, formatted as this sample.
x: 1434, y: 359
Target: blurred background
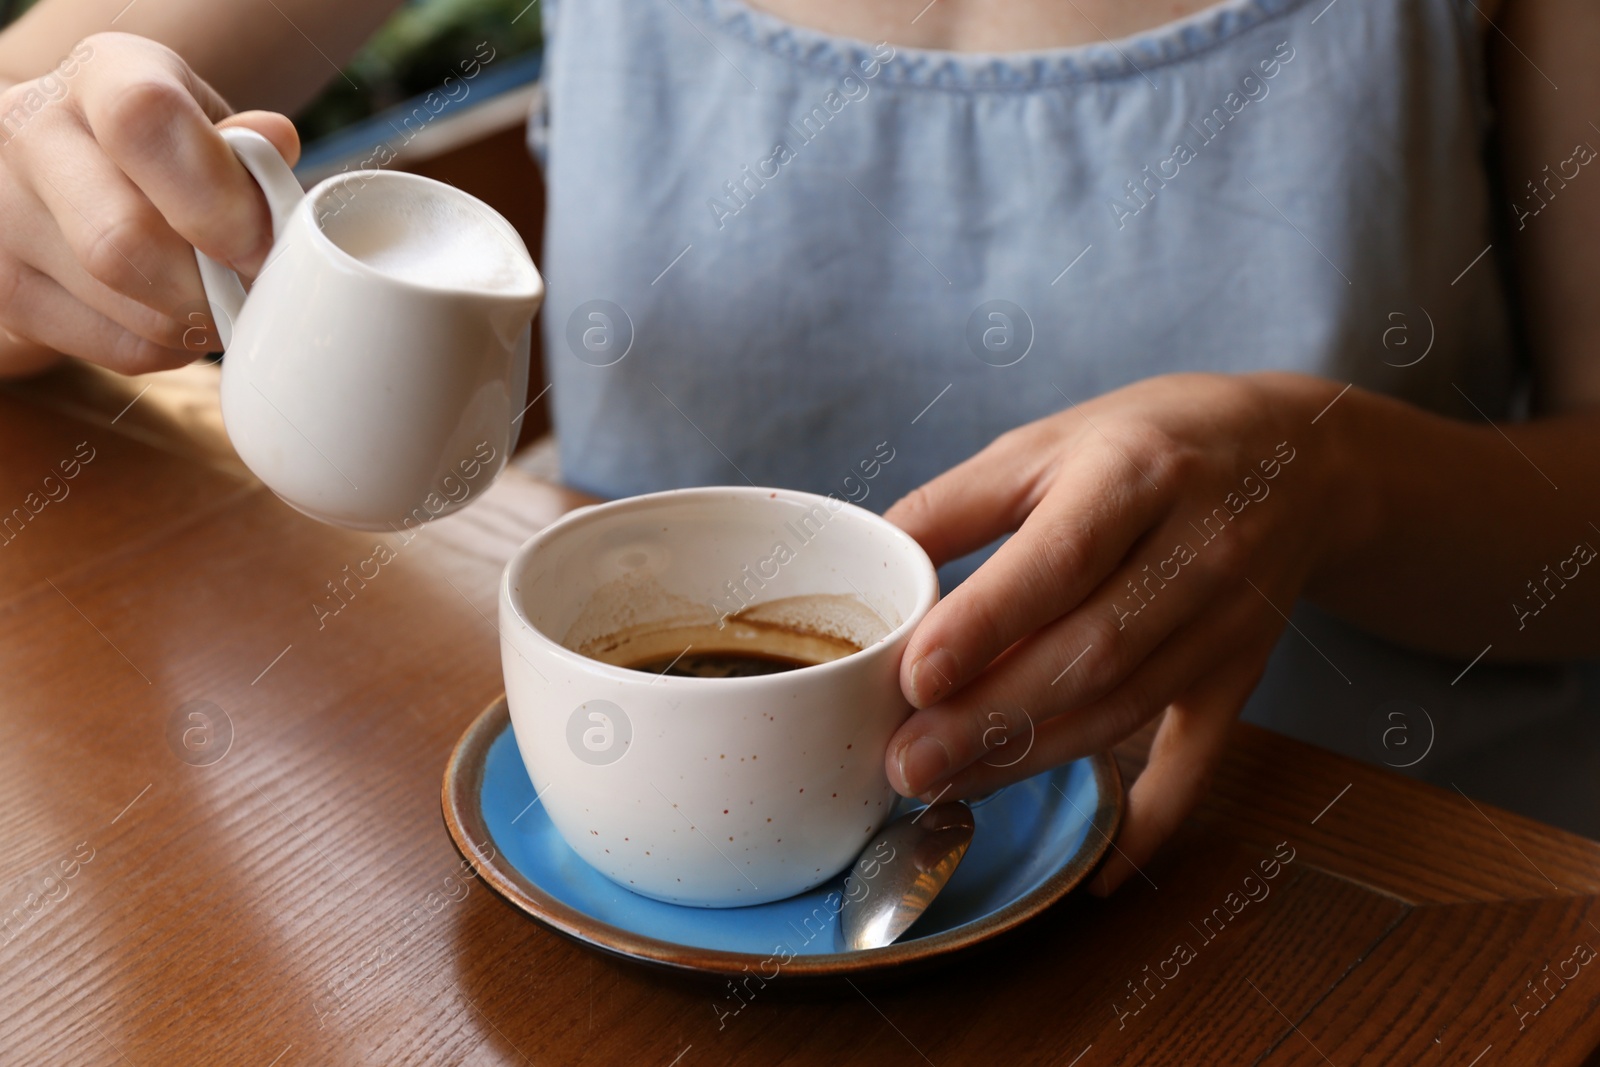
x: 416, y: 50
x: 411, y: 54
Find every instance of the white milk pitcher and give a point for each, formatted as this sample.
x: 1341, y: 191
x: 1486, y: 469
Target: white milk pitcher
x: 375, y: 373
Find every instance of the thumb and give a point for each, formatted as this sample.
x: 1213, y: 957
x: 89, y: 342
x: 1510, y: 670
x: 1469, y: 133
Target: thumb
x: 271, y: 125
x: 975, y: 502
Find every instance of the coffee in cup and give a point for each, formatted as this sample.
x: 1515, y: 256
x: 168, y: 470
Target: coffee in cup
x: 766, y: 638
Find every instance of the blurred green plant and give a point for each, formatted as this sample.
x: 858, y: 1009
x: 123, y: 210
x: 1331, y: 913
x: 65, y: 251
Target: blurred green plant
x: 415, y: 51
x: 11, y: 10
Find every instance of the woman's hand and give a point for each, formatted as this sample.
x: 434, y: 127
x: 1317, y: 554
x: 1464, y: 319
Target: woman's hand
x: 1162, y: 533
x: 111, y: 173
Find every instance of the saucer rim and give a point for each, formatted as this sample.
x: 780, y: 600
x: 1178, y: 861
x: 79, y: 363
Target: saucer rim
x: 465, y: 824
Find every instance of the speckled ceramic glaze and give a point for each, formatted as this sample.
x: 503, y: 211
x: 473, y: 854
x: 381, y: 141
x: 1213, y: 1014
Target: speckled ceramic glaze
x: 715, y: 792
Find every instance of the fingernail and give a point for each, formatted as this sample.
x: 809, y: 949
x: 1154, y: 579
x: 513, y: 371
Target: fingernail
x: 922, y: 763
x: 932, y: 676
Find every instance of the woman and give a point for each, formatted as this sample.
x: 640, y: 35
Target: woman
x: 1208, y: 315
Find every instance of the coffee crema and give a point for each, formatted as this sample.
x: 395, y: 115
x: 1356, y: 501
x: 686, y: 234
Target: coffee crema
x: 741, y: 648
x: 765, y: 638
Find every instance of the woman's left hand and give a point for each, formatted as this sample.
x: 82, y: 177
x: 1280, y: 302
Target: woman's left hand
x: 1162, y: 534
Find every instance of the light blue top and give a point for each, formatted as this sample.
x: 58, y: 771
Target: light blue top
x: 777, y: 256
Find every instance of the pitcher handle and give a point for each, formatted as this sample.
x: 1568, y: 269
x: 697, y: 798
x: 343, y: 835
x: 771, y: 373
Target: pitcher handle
x: 224, y: 291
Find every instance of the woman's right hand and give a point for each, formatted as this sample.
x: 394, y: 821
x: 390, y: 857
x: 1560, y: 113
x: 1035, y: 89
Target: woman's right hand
x: 111, y: 174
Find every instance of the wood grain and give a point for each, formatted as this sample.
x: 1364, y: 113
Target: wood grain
x: 296, y: 901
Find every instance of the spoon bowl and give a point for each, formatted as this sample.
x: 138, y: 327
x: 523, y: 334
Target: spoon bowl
x: 900, y: 872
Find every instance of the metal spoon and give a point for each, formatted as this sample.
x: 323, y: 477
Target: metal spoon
x: 900, y: 872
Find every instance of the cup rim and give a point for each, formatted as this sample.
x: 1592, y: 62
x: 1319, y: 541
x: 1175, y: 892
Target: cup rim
x: 927, y: 578
x: 534, y: 290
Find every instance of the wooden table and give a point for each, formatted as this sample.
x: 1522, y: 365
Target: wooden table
x: 161, y: 912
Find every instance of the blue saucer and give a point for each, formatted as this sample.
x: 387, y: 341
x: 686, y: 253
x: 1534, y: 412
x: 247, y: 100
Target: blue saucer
x: 1035, y: 841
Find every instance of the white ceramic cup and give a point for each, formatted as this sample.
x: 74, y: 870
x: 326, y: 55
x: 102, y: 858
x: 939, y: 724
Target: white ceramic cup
x: 715, y: 792
x: 362, y: 394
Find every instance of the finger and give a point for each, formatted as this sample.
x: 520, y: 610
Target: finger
x: 1093, y: 519
x: 1072, y: 540
x: 1017, y: 744
x: 1188, y: 747
x: 1084, y: 654
x: 102, y: 238
x: 158, y: 129
x: 977, y: 501
x: 39, y: 312
x: 274, y: 127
